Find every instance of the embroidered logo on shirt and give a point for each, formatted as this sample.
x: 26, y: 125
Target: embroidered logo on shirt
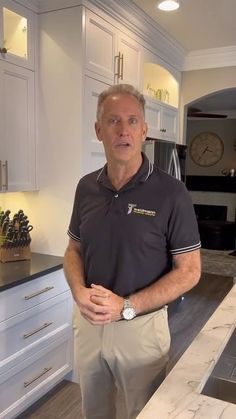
x: 130, y: 208
x: 140, y: 211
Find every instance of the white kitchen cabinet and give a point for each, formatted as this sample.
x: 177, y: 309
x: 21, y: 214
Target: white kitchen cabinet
x: 110, y: 53
x: 162, y: 120
x: 100, y: 46
x: 36, y: 340
x: 93, y: 151
x: 17, y: 34
x: 17, y: 128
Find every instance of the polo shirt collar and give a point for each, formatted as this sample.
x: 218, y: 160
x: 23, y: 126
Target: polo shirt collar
x: 141, y: 176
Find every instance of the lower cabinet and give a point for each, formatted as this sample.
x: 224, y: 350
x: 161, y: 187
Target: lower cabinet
x: 36, y: 343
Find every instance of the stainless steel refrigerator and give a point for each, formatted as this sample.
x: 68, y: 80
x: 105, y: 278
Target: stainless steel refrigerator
x: 171, y: 158
x: 168, y: 156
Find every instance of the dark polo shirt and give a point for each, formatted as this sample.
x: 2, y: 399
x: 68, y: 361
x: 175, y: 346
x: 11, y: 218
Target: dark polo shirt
x: 128, y: 236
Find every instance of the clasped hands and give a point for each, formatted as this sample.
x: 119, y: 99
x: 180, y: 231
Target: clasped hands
x: 99, y: 305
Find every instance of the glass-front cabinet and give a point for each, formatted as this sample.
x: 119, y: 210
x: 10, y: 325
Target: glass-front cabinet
x: 16, y: 34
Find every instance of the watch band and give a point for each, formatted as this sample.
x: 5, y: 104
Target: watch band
x: 127, y: 303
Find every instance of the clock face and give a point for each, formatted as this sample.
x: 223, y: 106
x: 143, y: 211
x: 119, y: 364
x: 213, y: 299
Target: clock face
x: 206, y: 149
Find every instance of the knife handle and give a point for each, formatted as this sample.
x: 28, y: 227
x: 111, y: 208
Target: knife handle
x: 4, y: 165
x: 0, y: 175
x: 6, y: 175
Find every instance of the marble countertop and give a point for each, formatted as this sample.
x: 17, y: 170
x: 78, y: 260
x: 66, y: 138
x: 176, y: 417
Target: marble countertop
x: 18, y: 272
x: 179, y: 396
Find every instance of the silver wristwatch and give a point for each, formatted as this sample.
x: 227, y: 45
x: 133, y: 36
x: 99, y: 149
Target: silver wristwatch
x: 128, y: 312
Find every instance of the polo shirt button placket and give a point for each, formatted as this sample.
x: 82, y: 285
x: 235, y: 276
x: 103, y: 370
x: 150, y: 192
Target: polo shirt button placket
x: 116, y: 195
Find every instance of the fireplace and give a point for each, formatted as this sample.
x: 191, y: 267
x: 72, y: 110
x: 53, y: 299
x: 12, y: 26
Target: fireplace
x: 216, y: 232
x: 211, y: 212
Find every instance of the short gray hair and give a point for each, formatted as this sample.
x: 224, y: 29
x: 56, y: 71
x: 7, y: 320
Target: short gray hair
x: 123, y: 89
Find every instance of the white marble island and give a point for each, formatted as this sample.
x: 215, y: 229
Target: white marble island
x: 180, y: 396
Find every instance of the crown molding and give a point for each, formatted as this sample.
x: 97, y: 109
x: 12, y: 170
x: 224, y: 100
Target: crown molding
x: 210, y: 58
x: 137, y: 21
x: 129, y: 15
x: 29, y: 4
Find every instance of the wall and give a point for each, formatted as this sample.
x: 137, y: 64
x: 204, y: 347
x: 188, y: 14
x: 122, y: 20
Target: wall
x: 198, y: 83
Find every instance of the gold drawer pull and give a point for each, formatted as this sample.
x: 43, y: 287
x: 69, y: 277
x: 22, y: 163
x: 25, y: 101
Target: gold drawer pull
x: 45, y: 370
x: 27, y: 335
x: 28, y: 297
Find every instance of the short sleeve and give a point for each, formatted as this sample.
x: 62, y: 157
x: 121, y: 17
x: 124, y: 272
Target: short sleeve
x: 74, y: 226
x: 183, y: 234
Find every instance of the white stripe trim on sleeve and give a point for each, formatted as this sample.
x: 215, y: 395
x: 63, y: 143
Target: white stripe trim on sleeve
x: 185, y: 249
x: 73, y: 236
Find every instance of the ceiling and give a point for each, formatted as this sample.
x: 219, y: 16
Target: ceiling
x: 197, y: 24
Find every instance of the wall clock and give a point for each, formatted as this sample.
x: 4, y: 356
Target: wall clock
x: 206, y: 149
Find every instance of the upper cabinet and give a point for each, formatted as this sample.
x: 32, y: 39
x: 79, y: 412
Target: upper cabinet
x: 17, y: 98
x: 159, y: 84
x: 17, y: 129
x: 16, y: 34
x: 162, y: 120
x: 110, y: 53
x: 161, y: 90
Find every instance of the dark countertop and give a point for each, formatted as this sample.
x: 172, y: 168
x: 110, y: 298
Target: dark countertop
x: 15, y: 273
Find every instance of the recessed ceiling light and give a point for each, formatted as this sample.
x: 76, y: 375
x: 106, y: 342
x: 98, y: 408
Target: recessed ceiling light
x: 168, y: 5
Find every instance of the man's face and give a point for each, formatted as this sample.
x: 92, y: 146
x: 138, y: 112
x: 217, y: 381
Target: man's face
x: 121, y: 128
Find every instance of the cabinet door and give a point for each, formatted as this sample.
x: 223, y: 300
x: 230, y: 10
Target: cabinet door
x: 169, y: 122
x: 17, y: 34
x: 153, y: 119
x: 131, y: 61
x: 109, y: 53
x: 100, y: 41
x: 17, y: 125
x: 93, y: 151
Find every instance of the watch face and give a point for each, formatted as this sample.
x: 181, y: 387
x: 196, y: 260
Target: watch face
x: 206, y: 149
x: 128, y: 313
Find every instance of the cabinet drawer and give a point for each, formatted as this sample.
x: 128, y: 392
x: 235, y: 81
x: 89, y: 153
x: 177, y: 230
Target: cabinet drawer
x: 20, y: 334
x: 23, y: 384
x: 25, y: 296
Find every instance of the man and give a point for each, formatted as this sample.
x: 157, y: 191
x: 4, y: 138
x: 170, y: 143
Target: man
x: 133, y: 248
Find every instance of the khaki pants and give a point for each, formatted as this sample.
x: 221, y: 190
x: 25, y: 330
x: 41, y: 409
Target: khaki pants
x: 125, y: 359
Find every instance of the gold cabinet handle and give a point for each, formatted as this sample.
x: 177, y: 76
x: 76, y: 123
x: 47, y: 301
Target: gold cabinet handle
x: 45, y: 370
x: 28, y: 297
x: 3, y: 50
x: 117, y: 73
x: 27, y: 335
x: 122, y: 66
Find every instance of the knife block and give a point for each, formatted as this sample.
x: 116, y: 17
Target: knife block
x: 14, y: 254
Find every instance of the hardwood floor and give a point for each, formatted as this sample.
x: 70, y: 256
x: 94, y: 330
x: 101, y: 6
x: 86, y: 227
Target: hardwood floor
x: 62, y: 402
x: 193, y: 312
x: 186, y: 319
